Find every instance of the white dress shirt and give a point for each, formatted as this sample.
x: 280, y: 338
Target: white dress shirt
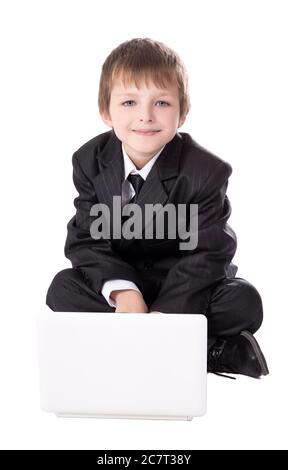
x: 127, y: 194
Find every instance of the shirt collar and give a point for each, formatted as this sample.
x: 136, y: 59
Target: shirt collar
x: 129, y: 166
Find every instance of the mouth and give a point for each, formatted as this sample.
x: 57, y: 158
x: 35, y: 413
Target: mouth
x: 146, y: 132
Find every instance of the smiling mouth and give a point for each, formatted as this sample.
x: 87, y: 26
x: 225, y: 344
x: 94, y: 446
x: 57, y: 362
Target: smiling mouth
x: 143, y: 132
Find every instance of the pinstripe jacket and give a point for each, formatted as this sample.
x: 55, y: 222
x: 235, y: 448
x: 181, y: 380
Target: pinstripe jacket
x: 171, y: 280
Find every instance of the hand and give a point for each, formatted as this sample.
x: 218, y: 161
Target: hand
x: 129, y: 301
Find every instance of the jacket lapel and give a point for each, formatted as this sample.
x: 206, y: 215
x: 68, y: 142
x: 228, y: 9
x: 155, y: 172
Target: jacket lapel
x: 158, y: 183
x: 155, y: 190
x: 108, y: 182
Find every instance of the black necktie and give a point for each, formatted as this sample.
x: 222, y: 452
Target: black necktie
x: 137, y: 183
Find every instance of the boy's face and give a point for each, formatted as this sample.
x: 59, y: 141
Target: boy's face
x: 148, y: 108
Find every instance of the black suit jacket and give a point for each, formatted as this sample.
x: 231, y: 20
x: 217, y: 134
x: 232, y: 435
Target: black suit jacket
x: 171, y: 280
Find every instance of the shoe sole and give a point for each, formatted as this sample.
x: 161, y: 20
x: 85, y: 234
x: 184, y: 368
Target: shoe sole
x: 257, y: 350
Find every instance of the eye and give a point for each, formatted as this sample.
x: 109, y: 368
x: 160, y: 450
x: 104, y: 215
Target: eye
x: 165, y: 102
x: 129, y: 101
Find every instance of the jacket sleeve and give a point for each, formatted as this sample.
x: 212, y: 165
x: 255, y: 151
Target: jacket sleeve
x: 187, y: 285
x: 96, y: 259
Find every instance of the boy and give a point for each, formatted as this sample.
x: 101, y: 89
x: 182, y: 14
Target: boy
x: 143, y: 98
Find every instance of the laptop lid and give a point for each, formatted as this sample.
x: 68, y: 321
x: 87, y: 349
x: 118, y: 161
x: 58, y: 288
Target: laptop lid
x: 122, y: 364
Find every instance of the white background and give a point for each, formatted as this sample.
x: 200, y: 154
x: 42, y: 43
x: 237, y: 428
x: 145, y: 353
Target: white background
x: 51, y: 58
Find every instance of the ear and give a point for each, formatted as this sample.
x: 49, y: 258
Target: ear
x: 181, y: 121
x: 106, y: 119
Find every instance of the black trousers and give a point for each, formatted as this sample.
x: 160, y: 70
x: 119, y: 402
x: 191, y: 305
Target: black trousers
x: 234, y: 304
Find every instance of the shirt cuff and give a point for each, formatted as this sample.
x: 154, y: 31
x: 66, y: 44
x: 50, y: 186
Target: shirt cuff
x: 116, y: 284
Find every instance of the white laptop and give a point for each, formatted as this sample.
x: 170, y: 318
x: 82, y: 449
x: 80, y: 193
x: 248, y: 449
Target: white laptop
x: 122, y: 365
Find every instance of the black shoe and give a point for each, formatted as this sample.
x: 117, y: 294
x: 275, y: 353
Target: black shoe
x: 237, y: 355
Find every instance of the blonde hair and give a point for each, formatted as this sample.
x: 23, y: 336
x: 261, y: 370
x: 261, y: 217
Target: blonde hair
x: 143, y: 58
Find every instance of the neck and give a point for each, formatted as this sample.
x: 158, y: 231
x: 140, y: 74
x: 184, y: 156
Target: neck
x: 139, y: 160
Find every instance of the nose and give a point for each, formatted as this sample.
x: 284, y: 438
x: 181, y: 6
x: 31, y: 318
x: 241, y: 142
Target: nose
x: 146, y: 114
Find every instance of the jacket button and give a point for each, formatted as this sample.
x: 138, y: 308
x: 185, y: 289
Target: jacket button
x: 148, y: 265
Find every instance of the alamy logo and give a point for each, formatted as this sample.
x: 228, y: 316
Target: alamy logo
x: 140, y: 222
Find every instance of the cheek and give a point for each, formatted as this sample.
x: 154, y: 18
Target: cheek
x: 171, y: 114
x: 172, y: 119
x: 122, y: 115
